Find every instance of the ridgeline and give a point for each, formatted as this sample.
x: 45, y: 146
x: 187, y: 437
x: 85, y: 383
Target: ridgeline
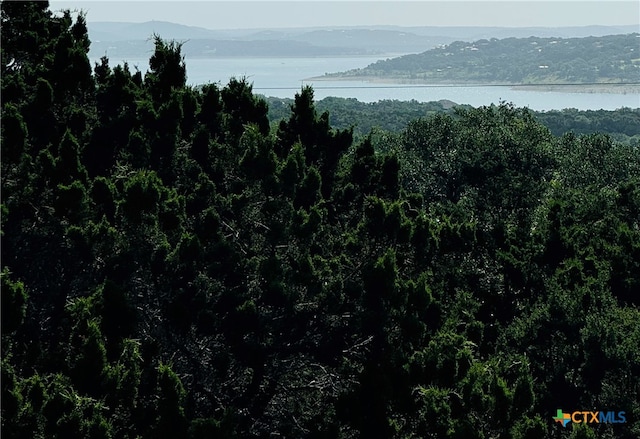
x: 533, y: 60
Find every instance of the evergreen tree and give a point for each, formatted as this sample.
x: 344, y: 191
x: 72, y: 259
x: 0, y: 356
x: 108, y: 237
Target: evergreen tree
x: 172, y: 267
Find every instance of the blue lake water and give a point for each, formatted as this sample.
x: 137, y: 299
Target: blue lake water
x: 283, y: 77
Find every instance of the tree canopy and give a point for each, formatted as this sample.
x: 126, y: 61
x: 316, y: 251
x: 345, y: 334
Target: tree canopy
x: 173, y: 265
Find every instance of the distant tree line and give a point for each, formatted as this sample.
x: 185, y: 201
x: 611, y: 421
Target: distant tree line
x: 623, y: 125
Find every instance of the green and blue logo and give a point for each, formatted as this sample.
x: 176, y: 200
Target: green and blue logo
x: 588, y: 417
x: 562, y: 418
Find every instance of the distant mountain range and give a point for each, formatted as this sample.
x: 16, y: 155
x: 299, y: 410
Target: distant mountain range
x: 120, y: 40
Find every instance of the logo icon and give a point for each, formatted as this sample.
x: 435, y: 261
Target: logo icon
x: 562, y: 418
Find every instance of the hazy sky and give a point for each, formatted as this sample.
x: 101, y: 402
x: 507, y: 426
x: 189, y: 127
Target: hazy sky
x: 275, y: 14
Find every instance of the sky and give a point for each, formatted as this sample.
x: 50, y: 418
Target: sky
x: 253, y: 14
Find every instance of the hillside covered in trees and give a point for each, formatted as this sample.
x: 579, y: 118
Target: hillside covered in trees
x: 175, y: 266
x: 623, y: 124
x: 533, y: 60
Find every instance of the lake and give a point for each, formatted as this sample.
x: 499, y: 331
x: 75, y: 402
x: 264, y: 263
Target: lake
x: 283, y: 77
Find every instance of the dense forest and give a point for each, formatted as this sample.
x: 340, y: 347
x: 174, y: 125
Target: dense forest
x: 533, y: 60
x: 623, y: 125
x: 176, y: 266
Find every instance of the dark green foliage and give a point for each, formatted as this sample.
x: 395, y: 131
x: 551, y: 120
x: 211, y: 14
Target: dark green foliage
x: 241, y: 107
x: 622, y: 124
x: 393, y: 115
x: 205, y: 428
x: 141, y: 196
x: 103, y: 195
x: 68, y: 165
x: 323, y: 147
x: 12, y: 400
x: 171, y: 419
x: 172, y: 267
x: 168, y: 71
x: 309, y: 190
x: 14, y: 134
x: 14, y: 302
x: 529, y: 428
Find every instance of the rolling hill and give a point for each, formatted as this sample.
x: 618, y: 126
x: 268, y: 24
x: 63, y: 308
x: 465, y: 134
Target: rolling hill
x: 533, y: 60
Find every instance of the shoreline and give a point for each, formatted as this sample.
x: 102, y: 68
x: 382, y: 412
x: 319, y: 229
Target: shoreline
x: 605, y: 88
